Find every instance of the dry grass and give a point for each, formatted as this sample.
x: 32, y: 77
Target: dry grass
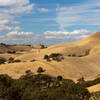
x: 87, y: 66
x: 94, y: 88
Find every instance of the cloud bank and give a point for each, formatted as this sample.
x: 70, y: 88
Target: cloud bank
x: 48, y: 38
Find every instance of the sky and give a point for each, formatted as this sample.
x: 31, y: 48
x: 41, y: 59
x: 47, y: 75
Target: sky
x: 48, y: 21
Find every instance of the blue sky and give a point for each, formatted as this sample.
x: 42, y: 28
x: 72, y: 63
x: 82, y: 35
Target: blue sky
x: 48, y: 21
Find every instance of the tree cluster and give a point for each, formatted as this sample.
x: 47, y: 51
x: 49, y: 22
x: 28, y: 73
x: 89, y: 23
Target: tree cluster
x: 41, y: 87
x: 54, y: 56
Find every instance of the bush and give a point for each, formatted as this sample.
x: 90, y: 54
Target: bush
x: 91, y: 82
x: 46, y: 57
x: 40, y: 70
x: 81, y: 80
x: 43, y: 46
x: 11, y: 52
x: 59, y: 78
x: 2, y: 60
x: 29, y: 72
x: 54, y: 56
x: 5, y: 83
x: 10, y: 60
x: 17, y: 60
x: 40, y: 87
x: 95, y: 96
x: 33, y: 60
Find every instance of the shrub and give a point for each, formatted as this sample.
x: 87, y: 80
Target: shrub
x: 46, y: 57
x: 40, y: 70
x: 54, y: 56
x: 42, y: 46
x: 33, y: 60
x: 11, y: 52
x: 5, y: 83
x: 5, y: 80
x: 2, y: 60
x: 91, y: 82
x: 17, y: 60
x: 29, y: 72
x: 95, y: 96
x: 59, y: 78
x: 81, y: 80
x: 33, y: 88
x: 10, y: 60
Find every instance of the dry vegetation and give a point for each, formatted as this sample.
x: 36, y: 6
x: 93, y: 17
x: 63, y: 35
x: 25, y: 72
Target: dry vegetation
x: 79, y: 59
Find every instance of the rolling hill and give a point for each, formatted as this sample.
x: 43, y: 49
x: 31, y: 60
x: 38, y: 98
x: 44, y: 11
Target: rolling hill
x: 80, y: 59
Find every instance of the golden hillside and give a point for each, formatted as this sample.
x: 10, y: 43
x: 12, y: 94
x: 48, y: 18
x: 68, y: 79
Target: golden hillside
x: 80, y: 59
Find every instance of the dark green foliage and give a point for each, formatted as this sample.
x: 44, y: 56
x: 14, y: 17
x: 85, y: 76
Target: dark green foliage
x: 11, y: 52
x: 81, y: 80
x: 5, y: 83
x: 28, y: 72
x: 40, y: 70
x: 2, y: 60
x: 10, y: 60
x: 5, y: 80
x: 59, y: 78
x: 43, y: 46
x: 41, y: 87
x: 46, y: 57
x: 91, y: 82
x: 17, y: 60
x: 95, y: 96
x: 54, y: 56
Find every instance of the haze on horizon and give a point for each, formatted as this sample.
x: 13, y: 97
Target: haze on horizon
x: 47, y: 21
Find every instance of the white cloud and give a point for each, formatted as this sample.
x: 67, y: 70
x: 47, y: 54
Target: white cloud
x: 17, y: 6
x: 56, y: 37
x: 9, y: 11
x: 48, y: 38
x: 63, y: 8
x: 13, y: 2
x: 21, y: 9
x: 5, y: 28
x: 56, y: 33
x: 6, y: 2
x: 19, y: 37
x: 79, y: 32
x: 83, y: 14
x: 14, y: 33
x: 43, y: 10
x: 64, y: 34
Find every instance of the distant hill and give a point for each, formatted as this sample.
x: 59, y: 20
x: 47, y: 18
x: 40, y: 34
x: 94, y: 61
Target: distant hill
x: 5, y: 48
x: 80, y: 59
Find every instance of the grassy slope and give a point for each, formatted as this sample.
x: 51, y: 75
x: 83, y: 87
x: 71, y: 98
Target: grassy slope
x: 71, y: 67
